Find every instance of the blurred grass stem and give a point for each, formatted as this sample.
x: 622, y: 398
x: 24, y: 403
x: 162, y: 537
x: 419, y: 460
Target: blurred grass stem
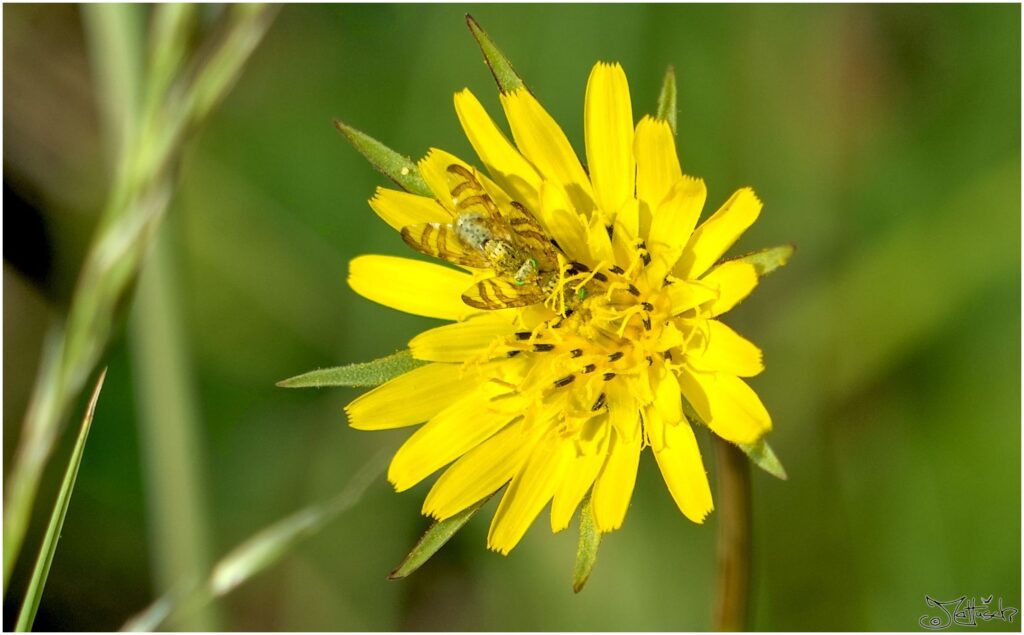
x: 170, y: 431
x: 146, y: 135
x: 732, y: 592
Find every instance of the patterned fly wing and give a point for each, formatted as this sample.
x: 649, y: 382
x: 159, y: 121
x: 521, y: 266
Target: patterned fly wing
x: 532, y: 237
x: 502, y: 293
x: 441, y: 241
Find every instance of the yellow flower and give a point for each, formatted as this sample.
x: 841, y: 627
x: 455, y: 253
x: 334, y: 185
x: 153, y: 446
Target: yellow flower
x: 560, y: 398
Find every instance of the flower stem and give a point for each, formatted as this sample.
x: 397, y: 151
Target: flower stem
x: 733, y: 558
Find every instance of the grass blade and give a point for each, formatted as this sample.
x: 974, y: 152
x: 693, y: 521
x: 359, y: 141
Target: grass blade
x: 586, y: 549
x: 30, y: 605
x: 372, y: 373
x: 432, y: 541
x: 259, y: 552
x: 147, y: 144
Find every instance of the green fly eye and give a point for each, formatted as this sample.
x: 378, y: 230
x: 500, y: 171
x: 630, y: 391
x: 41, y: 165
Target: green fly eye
x: 519, y: 283
x: 581, y: 293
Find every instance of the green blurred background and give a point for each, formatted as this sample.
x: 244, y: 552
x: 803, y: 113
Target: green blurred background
x: 885, y: 142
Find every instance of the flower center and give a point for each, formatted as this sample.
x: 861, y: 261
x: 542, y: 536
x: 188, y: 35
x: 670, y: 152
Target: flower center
x: 602, y: 324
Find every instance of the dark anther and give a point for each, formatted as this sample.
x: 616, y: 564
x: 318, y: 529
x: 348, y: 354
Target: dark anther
x: 616, y: 356
x: 589, y: 368
x: 646, y: 257
x: 667, y: 355
x: 617, y: 270
x: 523, y: 335
x: 647, y: 306
x: 565, y: 381
x: 610, y: 229
x: 599, y: 403
x: 600, y: 277
x: 513, y: 353
x: 647, y: 323
x: 542, y: 348
x: 633, y: 290
x: 579, y: 266
x: 650, y: 360
x: 608, y: 376
x: 576, y: 352
x: 569, y: 312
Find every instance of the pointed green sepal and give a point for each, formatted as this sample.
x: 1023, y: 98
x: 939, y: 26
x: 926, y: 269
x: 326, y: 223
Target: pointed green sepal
x: 667, y: 98
x: 764, y: 457
x: 506, y: 77
x: 586, y: 549
x: 432, y: 541
x: 768, y: 260
x: 400, y: 169
x: 372, y: 373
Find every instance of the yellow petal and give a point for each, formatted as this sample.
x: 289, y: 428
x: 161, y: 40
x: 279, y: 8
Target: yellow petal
x: 401, y: 209
x: 509, y: 169
x: 626, y: 231
x: 434, y: 169
x: 683, y: 470
x: 599, y: 242
x: 480, y: 472
x: 561, y: 220
x: 412, y: 286
x: 608, y: 125
x: 623, y: 410
x: 448, y: 435
x: 657, y: 165
x: 614, y: 485
x: 668, y: 400
x: 718, y: 233
x: 654, y: 427
x: 728, y: 352
x: 529, y: 492
x: 412, y: 397
x: 579, y: 478
x: 735, y: 280
x: 462, y: 340
x: 685, y: 295
x: 542, y: 141
x: 673, y: 224
x: 728, y: 405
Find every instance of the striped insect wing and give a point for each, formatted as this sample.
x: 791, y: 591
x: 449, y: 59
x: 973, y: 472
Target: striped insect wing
x: 441, y: 241
x: 501, y: 293
x: 532, y: 237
